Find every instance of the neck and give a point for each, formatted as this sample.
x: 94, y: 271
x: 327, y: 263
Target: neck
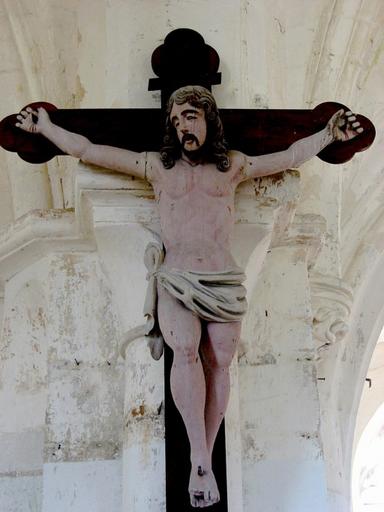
x: 194, y: 157
x: 193, y: 162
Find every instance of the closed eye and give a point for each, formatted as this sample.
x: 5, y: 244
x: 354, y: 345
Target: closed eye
x: 175, y: 121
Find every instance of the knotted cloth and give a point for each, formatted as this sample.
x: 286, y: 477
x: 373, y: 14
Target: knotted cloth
x: 212, y: 296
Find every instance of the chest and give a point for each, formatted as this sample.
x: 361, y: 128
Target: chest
x: 203, y: 180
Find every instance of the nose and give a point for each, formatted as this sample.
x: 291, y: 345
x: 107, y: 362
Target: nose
x: 183, y: 127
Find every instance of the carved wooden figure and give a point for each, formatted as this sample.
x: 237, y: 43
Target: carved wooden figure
x: 201, y: 299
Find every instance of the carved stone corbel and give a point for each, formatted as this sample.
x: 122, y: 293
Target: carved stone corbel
x: 332, y: 300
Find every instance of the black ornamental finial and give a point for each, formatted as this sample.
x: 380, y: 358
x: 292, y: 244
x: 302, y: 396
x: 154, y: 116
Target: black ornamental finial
x: 183, y: 59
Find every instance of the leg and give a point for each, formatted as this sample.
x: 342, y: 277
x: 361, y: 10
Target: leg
x: 182, y: 332
x: 217, y: 351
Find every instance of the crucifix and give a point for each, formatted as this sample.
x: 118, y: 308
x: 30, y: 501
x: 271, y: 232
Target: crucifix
x: 194, y: 171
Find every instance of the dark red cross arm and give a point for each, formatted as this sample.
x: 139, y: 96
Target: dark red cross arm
x: 254, y: 132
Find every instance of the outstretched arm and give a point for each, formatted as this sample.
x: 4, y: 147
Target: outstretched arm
x: 342, y: 126
x: 76, y: 145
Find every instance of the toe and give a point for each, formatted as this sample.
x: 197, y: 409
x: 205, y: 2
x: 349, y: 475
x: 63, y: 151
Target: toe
x: 194, y: 501
x: 197, y: 498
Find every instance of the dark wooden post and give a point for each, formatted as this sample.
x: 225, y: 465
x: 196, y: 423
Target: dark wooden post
x: 174, y: 70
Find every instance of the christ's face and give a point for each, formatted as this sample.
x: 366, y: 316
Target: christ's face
x: 190, y: 125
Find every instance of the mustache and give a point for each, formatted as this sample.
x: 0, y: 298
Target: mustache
x: 189, y: 137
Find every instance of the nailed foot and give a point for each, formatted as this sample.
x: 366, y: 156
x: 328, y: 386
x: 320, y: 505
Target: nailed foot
x: 202, y: 488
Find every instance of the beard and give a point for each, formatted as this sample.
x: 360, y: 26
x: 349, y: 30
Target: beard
x: 197, y: 154
x: 189, y: 137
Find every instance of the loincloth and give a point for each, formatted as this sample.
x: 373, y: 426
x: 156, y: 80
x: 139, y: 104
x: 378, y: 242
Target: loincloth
x: 212, y: 296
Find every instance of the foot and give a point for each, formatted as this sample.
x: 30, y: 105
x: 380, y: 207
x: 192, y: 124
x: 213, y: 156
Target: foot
x: 202, y: 488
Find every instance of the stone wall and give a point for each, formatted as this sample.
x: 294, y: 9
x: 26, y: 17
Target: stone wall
x: 82, y: 428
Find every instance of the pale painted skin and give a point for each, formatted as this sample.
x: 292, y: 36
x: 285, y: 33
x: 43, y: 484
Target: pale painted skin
x: 196, y: 208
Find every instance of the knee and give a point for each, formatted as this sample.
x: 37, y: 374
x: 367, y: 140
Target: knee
x: 185, y: 348
x: 186, y: 353
x: 221, y: 345
x: 218, y: 359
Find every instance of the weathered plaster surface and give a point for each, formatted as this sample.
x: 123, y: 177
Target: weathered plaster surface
x: 61, y: 375
x: 83, y: 53
x: 89, y: 485
x: 280, y: 425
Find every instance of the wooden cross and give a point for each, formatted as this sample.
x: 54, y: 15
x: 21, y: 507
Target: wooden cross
x: 250, y: 131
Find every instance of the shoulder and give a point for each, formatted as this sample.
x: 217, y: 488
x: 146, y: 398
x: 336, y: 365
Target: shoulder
x: 237, y: 158
x: 237, y: 164
x: 153, y: 166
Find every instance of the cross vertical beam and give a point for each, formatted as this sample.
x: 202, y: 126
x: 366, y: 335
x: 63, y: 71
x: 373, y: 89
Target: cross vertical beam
x: 174, y: 71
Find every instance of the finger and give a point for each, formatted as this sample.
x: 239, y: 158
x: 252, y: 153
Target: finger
x: 336, y: 116
x: 360, y: 130
x: 351, y: 118
x: 339, y: 119
x: 341, y: 122
x: 31, y: 111
x: 355, y: 125
x: 26, y: 115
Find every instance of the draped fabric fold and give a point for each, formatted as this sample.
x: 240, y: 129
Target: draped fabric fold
x: 212, y: 296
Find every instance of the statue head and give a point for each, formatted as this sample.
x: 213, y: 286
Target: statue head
x: 193, y: 126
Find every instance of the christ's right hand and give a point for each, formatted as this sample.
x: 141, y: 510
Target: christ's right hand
x: 27, y: 122
x: 75, y: 144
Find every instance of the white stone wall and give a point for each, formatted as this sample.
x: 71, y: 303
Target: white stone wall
x: 63, y: 383
x: 73, y: 280
x: 279, y: 409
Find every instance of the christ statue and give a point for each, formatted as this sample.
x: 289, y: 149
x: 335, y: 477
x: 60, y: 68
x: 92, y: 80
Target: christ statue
x: 201, y: 298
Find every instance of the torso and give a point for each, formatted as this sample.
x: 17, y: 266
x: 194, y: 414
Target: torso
x: 196, y: 208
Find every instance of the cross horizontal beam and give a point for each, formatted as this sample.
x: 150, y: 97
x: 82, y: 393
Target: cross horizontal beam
x: 254, y: 132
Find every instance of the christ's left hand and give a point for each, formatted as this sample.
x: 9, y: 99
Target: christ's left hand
x: 344, y: 125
